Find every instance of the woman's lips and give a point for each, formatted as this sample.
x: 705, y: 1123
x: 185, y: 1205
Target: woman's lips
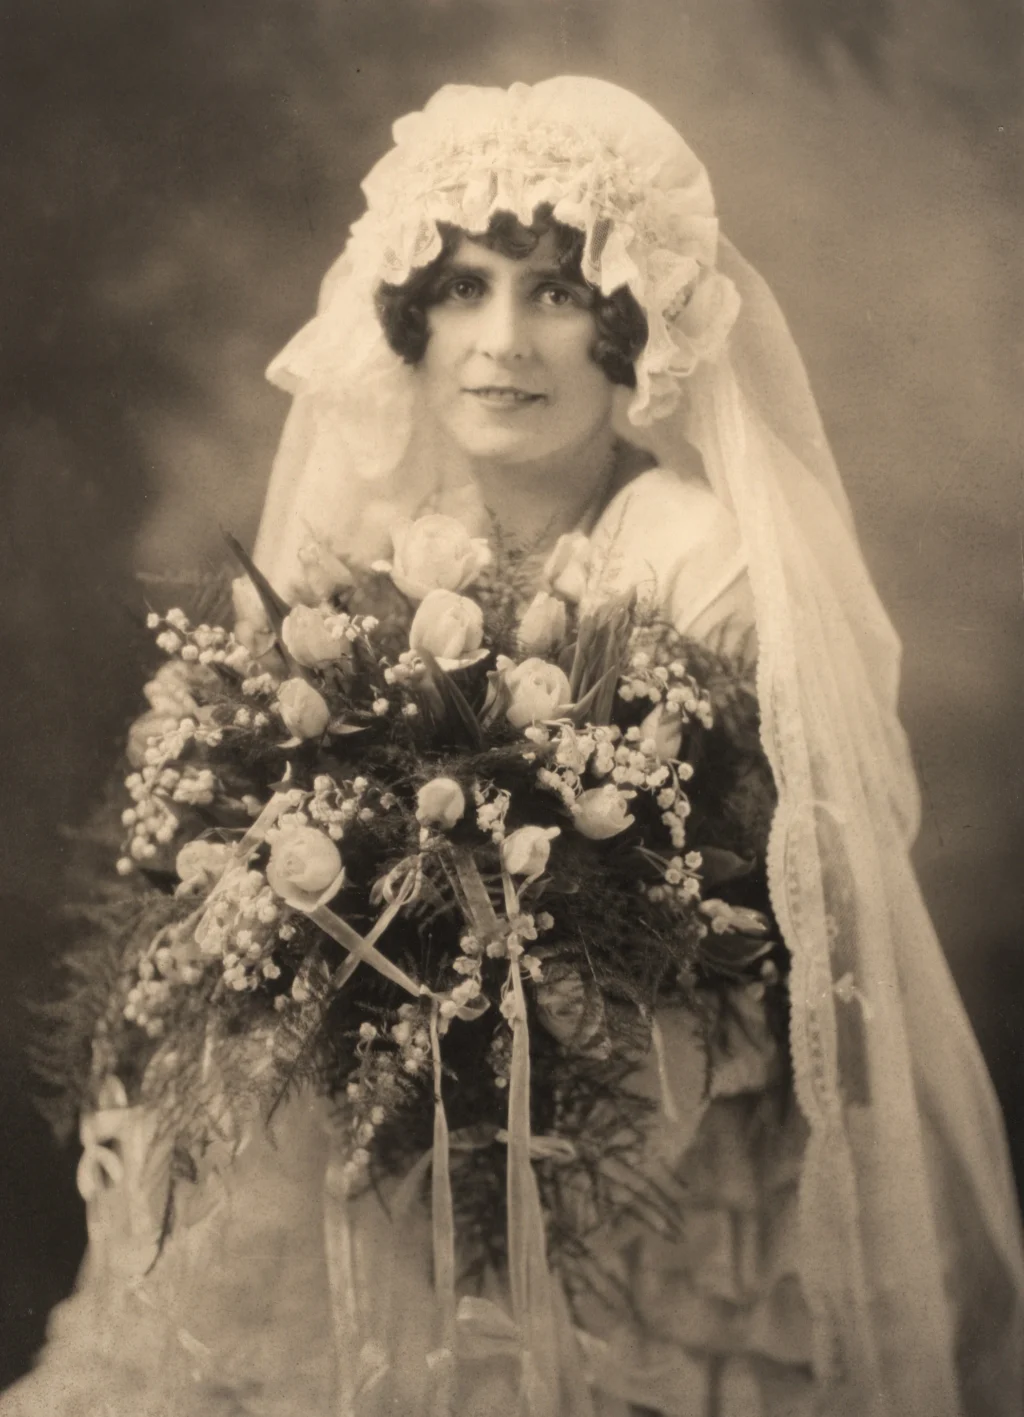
x: 499, y: 397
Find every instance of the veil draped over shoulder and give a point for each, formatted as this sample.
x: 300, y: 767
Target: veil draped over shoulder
x: 906, y: 1192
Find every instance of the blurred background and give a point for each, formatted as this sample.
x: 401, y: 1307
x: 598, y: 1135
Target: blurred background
x: 175, y: 178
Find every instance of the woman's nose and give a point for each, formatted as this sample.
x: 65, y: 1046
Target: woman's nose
x: 503, y: 332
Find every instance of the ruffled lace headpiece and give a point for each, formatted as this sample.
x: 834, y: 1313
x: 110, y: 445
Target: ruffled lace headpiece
x: 602, y: 160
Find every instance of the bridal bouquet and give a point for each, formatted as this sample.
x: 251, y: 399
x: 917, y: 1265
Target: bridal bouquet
x: 442, y: 853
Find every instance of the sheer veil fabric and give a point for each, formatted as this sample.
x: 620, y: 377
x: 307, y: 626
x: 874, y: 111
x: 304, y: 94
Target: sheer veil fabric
x: 908, y: 1221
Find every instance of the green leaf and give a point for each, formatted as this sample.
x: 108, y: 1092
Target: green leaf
x: 275, y: 607
x: 601, y: 649
x: 459, y: 716
x: 596, y: 704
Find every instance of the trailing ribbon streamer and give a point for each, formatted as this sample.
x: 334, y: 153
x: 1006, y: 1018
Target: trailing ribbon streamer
x: 530, y: 1281
x: 477, y: 901
x: 443, y: 1223
x: 535, y: 1311
x: 364, y: 1360
x: 344, y: 1309
x: 362, y: 949
x: 531, y: 1285
x: 441, y: 1361
x: 668, y: 1101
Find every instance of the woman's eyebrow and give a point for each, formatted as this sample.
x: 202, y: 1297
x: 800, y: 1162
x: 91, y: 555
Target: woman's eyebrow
x: 462, y: 268
x: 528, y: 272
x: 550, y: 271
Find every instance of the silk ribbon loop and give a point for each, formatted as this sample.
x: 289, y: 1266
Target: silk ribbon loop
x: 100, y: 1166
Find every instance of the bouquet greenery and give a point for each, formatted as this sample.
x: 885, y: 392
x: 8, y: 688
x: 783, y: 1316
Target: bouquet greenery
x: 443, y: 852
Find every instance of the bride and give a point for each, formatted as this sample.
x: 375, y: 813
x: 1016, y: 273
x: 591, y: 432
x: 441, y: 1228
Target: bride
x: 537, y: 328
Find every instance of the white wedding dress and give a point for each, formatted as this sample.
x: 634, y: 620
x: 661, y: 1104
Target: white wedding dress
x: 246, y: 1310
x: 273, y: 1298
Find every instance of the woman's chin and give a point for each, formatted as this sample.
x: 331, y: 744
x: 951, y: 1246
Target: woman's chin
x: 524, y: 442
x: 505, y: 446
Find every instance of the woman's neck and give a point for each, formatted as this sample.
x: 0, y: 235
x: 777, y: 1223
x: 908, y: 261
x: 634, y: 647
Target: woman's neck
x: 531, y: 504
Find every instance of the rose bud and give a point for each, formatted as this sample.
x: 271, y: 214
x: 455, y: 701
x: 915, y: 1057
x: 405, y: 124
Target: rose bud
x: 525, y: 851
x: 567, y: 569
x: 537, y: 690
x: 304, y: 863
x: 735, y: 919
x: 435, y: 553
x: 200, y: 863
x: 448, y: 626
x: 664, y: 728
x: 542, y: 628
x: 252, y: 628
x: 323, y: 573
x: 303, y: 710
x: 440, y: 803
x: 602, y: 812
x: 307, y: 639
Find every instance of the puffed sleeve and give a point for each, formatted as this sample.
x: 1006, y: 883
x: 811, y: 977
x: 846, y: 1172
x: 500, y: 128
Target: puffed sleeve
x: 671, y: 539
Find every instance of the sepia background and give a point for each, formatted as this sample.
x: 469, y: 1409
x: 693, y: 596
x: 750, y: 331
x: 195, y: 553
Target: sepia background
x: 174, y: 179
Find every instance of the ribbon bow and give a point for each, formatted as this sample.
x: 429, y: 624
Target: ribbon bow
x: 101, y: 1167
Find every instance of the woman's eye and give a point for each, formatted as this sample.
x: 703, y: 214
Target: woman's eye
x: 560, y: 296
x: 461, y: 289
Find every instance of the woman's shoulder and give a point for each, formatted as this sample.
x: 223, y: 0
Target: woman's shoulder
x: 673, y: 510
x: 667, y: 536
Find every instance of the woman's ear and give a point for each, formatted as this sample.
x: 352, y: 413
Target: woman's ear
x: 621, y: 425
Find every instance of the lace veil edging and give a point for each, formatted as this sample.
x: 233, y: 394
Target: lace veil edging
x: 884, y: 1055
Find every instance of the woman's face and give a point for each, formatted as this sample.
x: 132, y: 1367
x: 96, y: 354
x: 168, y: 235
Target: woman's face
x: 507, y: 370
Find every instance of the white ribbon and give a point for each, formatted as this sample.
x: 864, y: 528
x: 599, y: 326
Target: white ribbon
x: 100, y: 1166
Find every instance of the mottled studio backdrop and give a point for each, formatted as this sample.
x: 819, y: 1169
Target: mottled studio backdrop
x: 175, y: 175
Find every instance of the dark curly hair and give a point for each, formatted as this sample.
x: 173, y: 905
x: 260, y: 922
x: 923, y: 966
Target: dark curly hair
x: 621, y: 324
